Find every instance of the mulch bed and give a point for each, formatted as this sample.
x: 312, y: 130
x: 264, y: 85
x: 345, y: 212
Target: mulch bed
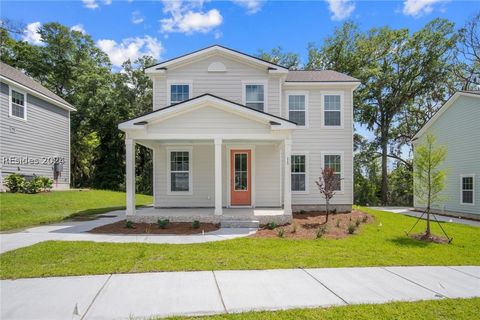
x: 306, y: 225
x: 184, y: 228
x: 430, y: 238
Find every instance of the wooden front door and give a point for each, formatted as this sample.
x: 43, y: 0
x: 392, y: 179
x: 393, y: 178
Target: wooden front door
x: 240, y: 177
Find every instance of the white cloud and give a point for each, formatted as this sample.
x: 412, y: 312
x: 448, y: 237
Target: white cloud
x: 340, y: 9
x: 188, y: 17
x: 137, y: 17
x: 79, y: 28
x: 31, y: 35
x: 218, y: 34
x: 417, y: 8
x: 130, y: 48
x: 252, y: 6
x: 90, y: 4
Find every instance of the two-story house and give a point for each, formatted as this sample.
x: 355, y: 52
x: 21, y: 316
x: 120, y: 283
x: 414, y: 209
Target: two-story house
x: 234, y: 133
x: 34, y: 129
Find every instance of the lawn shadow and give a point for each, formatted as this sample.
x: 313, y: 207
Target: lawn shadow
x: 409, y: 242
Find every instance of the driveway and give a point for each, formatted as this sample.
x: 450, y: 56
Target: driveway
x: 408, y: 212
x: 145, y: 295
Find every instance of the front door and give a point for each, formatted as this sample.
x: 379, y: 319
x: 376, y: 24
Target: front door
x: 240, y: 177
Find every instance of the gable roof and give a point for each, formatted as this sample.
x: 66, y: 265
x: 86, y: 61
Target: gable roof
x: 18, y: 78
x: 160, y: 67
x: 446, y: 105
x: 205, y: 98
x: 318, y: 76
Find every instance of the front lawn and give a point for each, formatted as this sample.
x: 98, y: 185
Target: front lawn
x: 458, y: 309
x: 20, y: 210
x: 382, y: 243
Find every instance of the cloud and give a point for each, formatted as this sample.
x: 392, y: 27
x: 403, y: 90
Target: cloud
x: 188, y: 17
x: 340, y: 9
x: 252, y: 6
x: 137, y: 17
x: 31, y: 35
x: 79, y: 28
x: 90, y: 4
x: 130, y: 48
x: 417, y: 8
x: 107, y: 2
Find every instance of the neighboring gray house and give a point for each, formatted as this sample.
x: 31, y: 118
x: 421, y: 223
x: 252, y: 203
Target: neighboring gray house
x: 236, y: 135
x: 457, y: 126
x: 34, y: 129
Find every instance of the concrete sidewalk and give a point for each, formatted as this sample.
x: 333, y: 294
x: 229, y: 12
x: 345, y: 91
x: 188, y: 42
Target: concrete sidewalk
x: 143, y: 295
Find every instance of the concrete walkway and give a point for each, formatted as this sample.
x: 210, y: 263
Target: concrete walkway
x: 77, y: 231
x: 411, y: 213
x: 143, y: 295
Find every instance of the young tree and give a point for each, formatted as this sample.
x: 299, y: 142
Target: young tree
x: 429, y: 178
x: 327, y: 184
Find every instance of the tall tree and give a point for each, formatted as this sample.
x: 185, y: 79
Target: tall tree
x: 395, y: 67
x: 468, y: 58
x: 289, y: 60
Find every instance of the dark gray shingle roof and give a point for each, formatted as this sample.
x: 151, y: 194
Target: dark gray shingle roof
x: 18, y: 76
x: 318, y: 76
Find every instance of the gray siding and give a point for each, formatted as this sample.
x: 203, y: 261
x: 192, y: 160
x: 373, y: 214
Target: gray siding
x: 45, y: 134
x: 458, y: 128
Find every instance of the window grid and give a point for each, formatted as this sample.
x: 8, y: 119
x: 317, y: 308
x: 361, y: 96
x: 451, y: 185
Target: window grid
x: 241, y: 172
x: 296, y: 109
x: 467, y: 190
x: 334, y: 161
x: 298, y: 172
x: 332, y: 110
x: 179, y: 93
x: 18, y: 104
x: 180, y: 171
x: 255, y: 96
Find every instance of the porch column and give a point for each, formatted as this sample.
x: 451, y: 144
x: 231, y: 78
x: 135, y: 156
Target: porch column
x: 130, y: 175
x: 218, y: 176
x: 287, y: 179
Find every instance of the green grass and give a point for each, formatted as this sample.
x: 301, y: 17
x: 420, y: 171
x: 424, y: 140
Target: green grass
x: 20, y: 210
x: 382, y: 243
x: 446, y: 309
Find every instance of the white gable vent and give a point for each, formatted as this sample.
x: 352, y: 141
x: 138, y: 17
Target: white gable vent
x: 217, y: 67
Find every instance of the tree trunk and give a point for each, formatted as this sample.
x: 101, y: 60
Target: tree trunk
x: 427, y: 231
x: 327, y: 207
x: 384, y: 188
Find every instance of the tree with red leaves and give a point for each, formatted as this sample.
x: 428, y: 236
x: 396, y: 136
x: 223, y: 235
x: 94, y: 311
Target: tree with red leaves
x: 327, y: 184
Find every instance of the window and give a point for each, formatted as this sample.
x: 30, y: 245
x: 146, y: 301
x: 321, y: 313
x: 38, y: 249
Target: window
x: 334, y: 161
x: 467, y: 188
x: 18, y: 104
x: 332, y: 110
x: 299, y: 172
x: 241, y: 172
x: 179, y: 93
x: 255, y: 96
x: 297, y: 108
x: 180, y: 171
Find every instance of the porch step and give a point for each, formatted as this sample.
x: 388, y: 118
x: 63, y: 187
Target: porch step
x: 239, y: 224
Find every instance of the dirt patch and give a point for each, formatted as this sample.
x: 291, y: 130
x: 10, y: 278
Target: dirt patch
x: 311, y: 225
x: 184, y: 228
x: 430, y: 238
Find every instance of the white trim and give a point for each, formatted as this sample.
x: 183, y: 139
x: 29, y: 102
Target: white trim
x: 10, y: 114
x: 188, y: 149
x: 307, y: 168
x: 342, y: 109
x: 471, y: 175
x: 37, y: 94
x: 229, y: 148
x: 69, y: 150
x: 342, y: 167
x: 218, y: 176
x: 170, y: 83
x: 353, y: 84
x: 305, y: 93
x: 260, y: 82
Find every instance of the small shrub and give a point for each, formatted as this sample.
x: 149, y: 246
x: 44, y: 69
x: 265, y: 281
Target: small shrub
x: 303, y: 211
x: 129, y: 224
x: 281, y: 232
x: 294, y: 228
x: 163, y: 223
x: 334, y: 211
x: 320, y: 232
x: 271, y: 225
x: 351, y: 228
x: 357, y: 222
x: 46, y: 183
x: 365, y: 219
x: 338, y: 223
x: 33, y: 186
x: 195, y: 224
x: 14, y: 182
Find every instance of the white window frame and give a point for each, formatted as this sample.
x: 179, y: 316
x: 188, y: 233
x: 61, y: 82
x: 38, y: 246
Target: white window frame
x: 342, y: 108
x: 342, y: 167
x: 307, y: 181
x: 298, y: 93
x: 188, y: 149
x: 472, y: 175
x: 170, y: 83
x: 10, y: 114
x: 265, y: 92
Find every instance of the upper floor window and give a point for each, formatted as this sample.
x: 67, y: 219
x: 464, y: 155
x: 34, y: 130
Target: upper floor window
x: 297, y: 107
x: 18, y: 104
x: 467, y: 189
x: 254, y: 96
x: 179, y: 91
x: 332, y: 109
x: 334, y: 161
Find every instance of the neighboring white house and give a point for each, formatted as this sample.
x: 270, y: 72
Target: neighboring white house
x: 229, y: 130
x: 34, y: 129
x: 457, y: 126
